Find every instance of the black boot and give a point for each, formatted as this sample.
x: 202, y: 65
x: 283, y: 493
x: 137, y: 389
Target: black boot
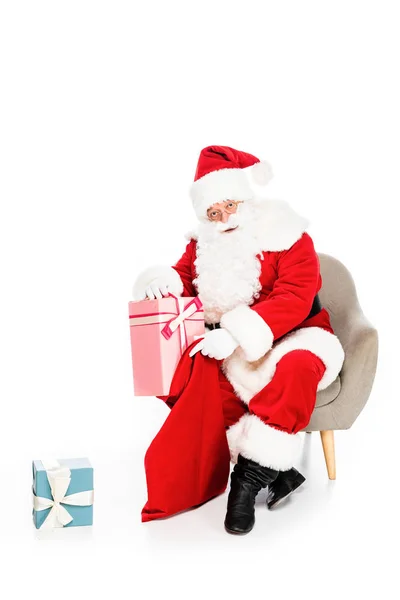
x: 247, y: 479
x: 283, y: 486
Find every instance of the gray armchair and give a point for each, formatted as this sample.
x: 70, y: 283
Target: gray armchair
x: 339, y: 405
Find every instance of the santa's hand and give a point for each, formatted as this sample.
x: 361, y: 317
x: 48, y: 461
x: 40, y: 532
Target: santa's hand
x: 217, y: 343
x: 156, y: 290
x: 157, y: 282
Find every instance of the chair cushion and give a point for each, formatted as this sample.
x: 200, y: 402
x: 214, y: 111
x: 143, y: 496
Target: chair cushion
x: 328, y: 394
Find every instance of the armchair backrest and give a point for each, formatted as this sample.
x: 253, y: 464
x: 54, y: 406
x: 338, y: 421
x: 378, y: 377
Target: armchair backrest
x: 338, y: 295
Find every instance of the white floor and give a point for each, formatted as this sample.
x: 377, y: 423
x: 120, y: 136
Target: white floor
x: 331, y: 538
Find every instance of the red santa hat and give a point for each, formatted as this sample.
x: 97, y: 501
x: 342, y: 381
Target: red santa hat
x: 224, y: 173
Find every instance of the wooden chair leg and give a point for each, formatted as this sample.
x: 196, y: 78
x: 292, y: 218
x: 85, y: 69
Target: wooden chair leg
x: 328, y: 445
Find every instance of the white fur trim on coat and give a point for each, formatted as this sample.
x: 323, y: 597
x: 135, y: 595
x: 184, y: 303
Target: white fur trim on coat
x: 233, y: 435
x: 279, y: 226
x: 164, y: 276
x: 249, y: 330
x: 250, y: 378
x: 269, y: 447
x: 217, y: 186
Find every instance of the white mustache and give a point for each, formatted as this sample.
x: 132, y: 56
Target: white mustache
x: 233, y: 221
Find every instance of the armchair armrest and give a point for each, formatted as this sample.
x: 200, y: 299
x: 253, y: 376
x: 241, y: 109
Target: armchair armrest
x: 360, y: 343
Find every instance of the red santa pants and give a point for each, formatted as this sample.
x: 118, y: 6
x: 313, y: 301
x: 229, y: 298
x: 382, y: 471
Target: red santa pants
x: 265, y: 429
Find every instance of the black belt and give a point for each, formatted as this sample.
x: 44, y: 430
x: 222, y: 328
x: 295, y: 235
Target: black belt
x: 315, y: 309
x: 213, y: 325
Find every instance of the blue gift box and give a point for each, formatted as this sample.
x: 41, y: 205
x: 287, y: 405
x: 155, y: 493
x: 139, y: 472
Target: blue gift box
x: 81, y: 472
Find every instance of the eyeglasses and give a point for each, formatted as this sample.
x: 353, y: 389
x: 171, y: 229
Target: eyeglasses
x: 230, y: 207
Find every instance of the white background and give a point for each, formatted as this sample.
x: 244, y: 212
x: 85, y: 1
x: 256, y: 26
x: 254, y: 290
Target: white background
x: 104, y: 109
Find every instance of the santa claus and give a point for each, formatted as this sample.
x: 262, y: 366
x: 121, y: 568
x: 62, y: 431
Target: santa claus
x: 257, y: 274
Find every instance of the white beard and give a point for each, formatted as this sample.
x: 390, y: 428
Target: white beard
x: 227, y: 265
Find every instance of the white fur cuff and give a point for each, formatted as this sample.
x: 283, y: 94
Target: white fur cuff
x: 267, y: 446
x: 249, y: 330
x: 162, y: 275
x: 233, y: 435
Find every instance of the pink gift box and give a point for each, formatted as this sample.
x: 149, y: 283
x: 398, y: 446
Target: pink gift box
x: 161, y: 330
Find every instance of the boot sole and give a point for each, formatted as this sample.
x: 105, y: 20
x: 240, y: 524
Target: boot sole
x: 298, y: 482
x: 237, y: 532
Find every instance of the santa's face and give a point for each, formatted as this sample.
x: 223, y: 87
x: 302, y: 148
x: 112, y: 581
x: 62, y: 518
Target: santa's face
x: 228, y: 217
x: 223, y: 215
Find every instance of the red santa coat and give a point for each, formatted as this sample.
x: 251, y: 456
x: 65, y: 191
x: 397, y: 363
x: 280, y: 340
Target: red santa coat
x: 276, y: 322
x: 269, y: 319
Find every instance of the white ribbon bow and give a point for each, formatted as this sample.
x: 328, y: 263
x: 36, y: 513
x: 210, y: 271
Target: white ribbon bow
x: 180, y: 321
x: 59, y: 479
x: 171, y: 324
x: 185, y: 313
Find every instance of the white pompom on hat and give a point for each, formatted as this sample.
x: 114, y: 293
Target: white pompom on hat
x: 224, y: 173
